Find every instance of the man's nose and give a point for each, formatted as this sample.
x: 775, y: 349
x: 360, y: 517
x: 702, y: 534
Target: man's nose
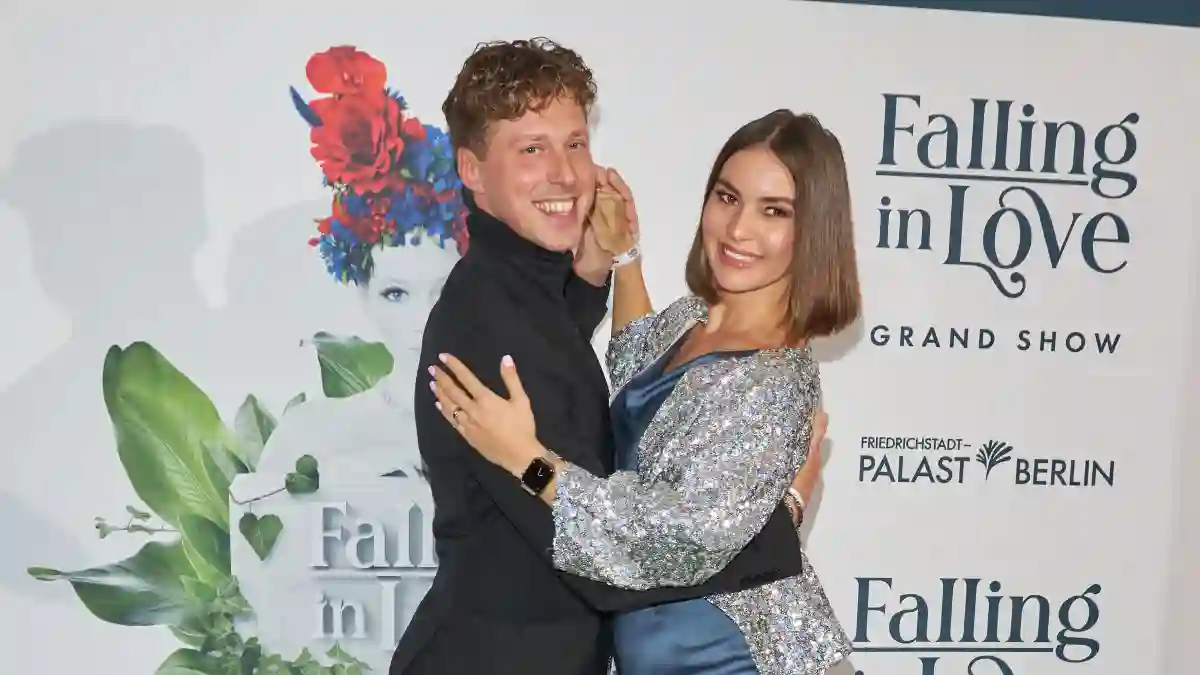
x: 561, y: 171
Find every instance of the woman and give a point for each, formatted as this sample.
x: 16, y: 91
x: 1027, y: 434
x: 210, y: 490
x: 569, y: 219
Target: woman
x: 394, y: 238
x: 392, y: 248
x: 715, y: 408
x: 371, y: 433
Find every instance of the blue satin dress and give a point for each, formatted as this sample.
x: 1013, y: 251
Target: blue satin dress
x: 692, y: 637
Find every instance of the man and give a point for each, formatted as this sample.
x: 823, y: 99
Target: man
x: 517, y: 115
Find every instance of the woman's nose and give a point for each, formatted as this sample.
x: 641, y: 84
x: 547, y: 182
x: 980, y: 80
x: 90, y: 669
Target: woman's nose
x: 737, y: 227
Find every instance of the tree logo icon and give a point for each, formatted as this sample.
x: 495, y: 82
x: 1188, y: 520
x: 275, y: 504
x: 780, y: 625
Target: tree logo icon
x: 993, y: 454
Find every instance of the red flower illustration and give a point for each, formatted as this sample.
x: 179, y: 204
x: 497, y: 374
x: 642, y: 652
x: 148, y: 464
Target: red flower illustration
x: 412, y: 128
x: 359, y: 141
x: 369, y: 229
x: 345, y: 71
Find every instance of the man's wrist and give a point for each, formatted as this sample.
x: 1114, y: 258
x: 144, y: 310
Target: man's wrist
x: 534, y: 452
x: 595, y: 277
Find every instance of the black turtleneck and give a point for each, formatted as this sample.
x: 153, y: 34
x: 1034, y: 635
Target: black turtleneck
x: 497, y: 605
x: 545, y: 270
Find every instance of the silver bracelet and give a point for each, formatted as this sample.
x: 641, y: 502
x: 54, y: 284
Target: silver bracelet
x: 628, y: 256
x: 794, y: 500
x: 795, y: 494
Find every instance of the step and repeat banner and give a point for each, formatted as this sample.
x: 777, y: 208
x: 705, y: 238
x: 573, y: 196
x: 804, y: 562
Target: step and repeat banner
x: 208, y: 363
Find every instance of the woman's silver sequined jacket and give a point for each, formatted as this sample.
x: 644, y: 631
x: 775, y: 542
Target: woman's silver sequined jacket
x: 714, y: 463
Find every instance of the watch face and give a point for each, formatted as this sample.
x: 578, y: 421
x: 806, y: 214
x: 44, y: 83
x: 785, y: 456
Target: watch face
x: 538, y: 476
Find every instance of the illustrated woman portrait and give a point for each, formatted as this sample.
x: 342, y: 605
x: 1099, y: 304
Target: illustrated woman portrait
x: 395, y: 231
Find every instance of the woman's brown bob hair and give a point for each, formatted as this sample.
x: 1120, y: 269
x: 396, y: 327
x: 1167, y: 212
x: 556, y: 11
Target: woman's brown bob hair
x: 823, y: 296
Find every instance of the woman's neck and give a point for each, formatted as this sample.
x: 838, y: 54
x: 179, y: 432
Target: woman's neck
x: 397, y: 387
x: 759, y: 313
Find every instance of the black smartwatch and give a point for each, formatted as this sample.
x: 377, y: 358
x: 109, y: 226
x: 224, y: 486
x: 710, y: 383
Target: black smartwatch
x: 537, y: 476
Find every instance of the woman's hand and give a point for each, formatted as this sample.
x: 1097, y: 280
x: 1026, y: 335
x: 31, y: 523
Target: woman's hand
x: 592, y: 262
x: 614, y: 217
x: 502, y: 430
x: 810, y: 472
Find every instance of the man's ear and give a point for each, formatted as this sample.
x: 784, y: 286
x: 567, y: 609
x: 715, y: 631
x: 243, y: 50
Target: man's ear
x: 469, y: 170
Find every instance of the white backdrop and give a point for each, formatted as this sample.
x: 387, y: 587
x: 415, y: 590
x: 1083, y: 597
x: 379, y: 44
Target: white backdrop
x: 156, y: 185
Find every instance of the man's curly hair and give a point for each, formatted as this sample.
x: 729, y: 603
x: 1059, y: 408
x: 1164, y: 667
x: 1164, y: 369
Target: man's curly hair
x: 504, y: 80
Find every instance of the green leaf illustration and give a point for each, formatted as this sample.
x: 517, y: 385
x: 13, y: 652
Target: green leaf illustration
x: 299, y: 484
x: 180, y: 458
x: 350, y: 365
x: 306, y: 479
x: 306, y: 465
x: 192, y: 633
x: 137, y: 513
x: 207, y: 548
x: 344, y: 663
x: 190, y: 662
x: 175, y: 449
x: 142, y: 590
x: 252, y: 654
x: 199, y: 591
x: 230, y: 599
x: 305, y: 658
x: 253, y: 425
x: 295, y: 401
x: 262, y: 533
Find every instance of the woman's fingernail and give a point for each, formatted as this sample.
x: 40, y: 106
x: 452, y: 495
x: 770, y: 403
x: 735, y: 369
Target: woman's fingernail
x: 442, y: 358
x: 506, y: 361
x: 438, y: 405
x: 433, y: 387
x: 432, y: 371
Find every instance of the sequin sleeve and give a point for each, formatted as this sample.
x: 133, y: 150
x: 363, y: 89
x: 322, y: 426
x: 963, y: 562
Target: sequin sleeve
x: 627, y: 350
x: 734, y: 463
x: 639, y: 342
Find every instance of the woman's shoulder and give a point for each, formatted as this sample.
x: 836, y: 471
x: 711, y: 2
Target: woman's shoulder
x: 788, y: 362
x: 686, y: 307
x: 676, y: 317
x: 788, y: 371
x: 782, y: 385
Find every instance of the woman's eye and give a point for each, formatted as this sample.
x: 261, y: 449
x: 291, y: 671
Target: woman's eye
x: 393, y: 294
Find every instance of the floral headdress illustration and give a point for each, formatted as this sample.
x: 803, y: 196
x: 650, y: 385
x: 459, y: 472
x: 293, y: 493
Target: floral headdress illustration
x: 393, y: 178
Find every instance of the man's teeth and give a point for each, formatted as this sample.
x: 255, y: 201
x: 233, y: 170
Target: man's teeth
x: 562, y: 206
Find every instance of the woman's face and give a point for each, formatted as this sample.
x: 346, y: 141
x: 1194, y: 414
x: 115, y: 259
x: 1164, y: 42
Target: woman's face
x: 748, y: 225
x: 405, y: 283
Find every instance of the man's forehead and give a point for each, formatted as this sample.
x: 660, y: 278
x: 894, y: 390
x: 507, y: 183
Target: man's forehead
x: 550, y: 122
